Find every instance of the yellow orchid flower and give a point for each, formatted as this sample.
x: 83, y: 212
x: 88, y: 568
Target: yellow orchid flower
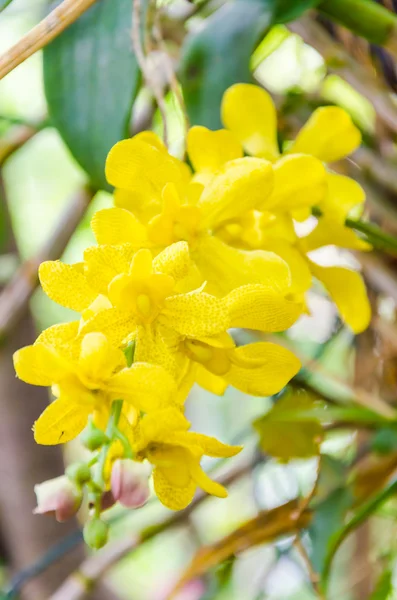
x: 85, y: 380
x: 132, y: 295
x: 300, y: 180
x: 259, y: 369
x: 139, y: 168
x: 329, y: 135
x: 175, y: 453
x: 238, y: 186
x: 344, y: 285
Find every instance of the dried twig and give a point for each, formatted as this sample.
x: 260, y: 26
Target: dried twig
x: 43, y: 33
x: 16, y: 295
x: 170, y: 72
x: 77, y: 586
x: 14, y: 139
x: 341, y: 63
x: 146, y: 69
x: 314, y: 577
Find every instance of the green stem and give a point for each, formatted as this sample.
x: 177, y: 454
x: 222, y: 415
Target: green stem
x: 114, y: 418
x: 365, y: 18
x: 374, y: 234
x: 362, y: 513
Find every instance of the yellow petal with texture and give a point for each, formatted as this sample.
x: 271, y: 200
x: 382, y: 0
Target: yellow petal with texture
x: 172, y: 496
x: 148, y: 387
x: 159, y: 346
x: 210, y: 382
x: 117, y: 226
x: 343, y: 194
x: 66, y: 285
x: 114, y: 323
x: 226, y: 268
x: 61, y: 422
x: 143, y: 201
x: 332, y: 233
x: 62, y: 337
x: 206, y: 483
x: 210, y: 150
x: 132, y: 161
x: 254, y: 307
x: 248, y: 111
x: 239, y: 186
x: 195, y: 314
x: 173, y: 260
x: 329, y: 134
x: 299, y: 181
x: 103, y: 263
x: 98, y: 359
x: 262, y: 369
x: 156, y: 426
x: 347, y: 290
x: 207, y: 444
x: 301, y: 277
x: 39, y: 365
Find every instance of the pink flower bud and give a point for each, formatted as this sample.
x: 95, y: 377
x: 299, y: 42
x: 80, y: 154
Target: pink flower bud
x: 58, y: 496
x: 130, y: 482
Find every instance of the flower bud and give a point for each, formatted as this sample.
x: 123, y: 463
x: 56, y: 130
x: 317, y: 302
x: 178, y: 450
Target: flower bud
x: 129, y: 482
x: 96, y: 533
x: 93, y: 437
x: 58, y: 496
x: 79, y: 472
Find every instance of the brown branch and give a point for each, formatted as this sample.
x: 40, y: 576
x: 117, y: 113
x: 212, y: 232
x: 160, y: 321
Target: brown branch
x: 340, y: 62
x: 15, y: 297
x: 314, y: 577
x: 43, y: 33
x: 15, y: 139
x: 78, y: 585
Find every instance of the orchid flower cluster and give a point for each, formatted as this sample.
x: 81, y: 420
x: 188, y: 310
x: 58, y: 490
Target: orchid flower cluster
x: 188, y: 253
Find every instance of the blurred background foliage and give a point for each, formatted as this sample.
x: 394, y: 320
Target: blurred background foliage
x: 322, y: 455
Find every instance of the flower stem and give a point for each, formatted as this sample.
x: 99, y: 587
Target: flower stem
x: 374, y: 235
x: 114, y: 418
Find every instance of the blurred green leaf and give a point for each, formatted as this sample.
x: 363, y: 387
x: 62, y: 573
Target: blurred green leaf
x: 283, y: 435
x: 4, y: 4
x: 287, y: 10
x: 365, y: 18
x: 328, y: 519
x: 218, y: 55
x: 384, y: 440
x: 91, y: 80
x: 361, y: 514
x: 384, y: 586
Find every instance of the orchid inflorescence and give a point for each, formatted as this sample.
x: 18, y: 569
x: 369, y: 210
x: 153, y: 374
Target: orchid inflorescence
x: 184, y: 256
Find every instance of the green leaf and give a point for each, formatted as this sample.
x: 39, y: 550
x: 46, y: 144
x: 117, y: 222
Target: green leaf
x: 283, y: 435
x: 384, y: 586
x: 218, y: 55
x: 288, y: 10
x: 329, y: 517
x: 91, y: 80
x: 366, y: 18
x: 361, y: 514
x: 4, y: 4
x: 384, y: 441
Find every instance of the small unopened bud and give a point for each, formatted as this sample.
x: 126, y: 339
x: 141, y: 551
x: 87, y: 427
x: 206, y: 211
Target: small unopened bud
x: 58, y: 496
x: 96, y: 533
x: 93, y: 437
x: 79, y: 472
x: 129, y: 482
